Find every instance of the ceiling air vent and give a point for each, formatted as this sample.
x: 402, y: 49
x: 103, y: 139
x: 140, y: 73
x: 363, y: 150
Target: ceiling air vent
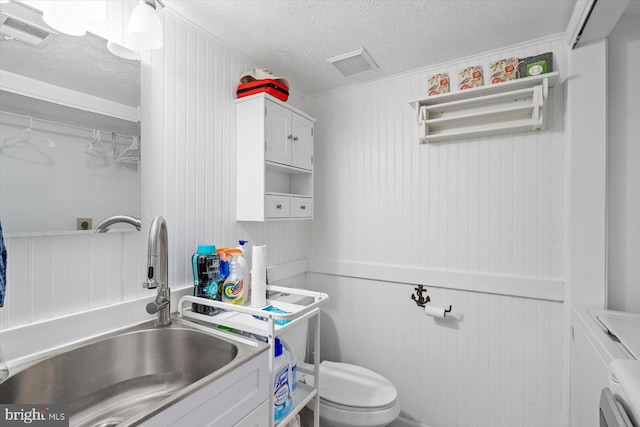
x: 354, y: 62
x: 25, y: 31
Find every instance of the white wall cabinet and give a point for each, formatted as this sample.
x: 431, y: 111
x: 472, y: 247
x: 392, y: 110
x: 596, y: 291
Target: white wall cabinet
x: 274, y: 160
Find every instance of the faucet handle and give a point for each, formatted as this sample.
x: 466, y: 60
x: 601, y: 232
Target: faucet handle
x: 157, y: 305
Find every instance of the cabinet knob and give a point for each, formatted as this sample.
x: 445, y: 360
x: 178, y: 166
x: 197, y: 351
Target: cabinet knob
x: 278, y: 206
x: 303, y: 207
x: 289, y: 136
x: 295, y: 138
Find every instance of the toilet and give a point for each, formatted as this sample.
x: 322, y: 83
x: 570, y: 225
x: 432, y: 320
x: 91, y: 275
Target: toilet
x: 350, y: 395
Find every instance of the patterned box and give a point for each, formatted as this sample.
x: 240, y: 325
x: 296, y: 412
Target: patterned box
x: 438, y: 83
x: 503, y: 70
x: 470, y: 77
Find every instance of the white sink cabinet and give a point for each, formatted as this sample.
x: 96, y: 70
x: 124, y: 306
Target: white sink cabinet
x: 274, y: 160
x: 239, y: 398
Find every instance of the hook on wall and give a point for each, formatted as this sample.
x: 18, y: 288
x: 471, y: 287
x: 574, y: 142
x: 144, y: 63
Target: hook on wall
x: 421, y: 299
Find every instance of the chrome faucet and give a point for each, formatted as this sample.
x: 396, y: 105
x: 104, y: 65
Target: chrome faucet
x: 157, y: 271
x: 104, y: 225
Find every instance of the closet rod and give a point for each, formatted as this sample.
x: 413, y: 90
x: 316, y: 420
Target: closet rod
x: 64, y: 124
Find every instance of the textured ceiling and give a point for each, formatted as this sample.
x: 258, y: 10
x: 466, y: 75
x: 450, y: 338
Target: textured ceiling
x: 294, y: 37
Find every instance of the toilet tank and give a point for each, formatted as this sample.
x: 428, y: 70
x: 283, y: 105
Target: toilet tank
x: 296, y: 336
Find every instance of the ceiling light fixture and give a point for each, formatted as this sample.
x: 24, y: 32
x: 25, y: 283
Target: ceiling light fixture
x: 72, y: 17
x: 353, y: 63
x: 118, y: 41
x: 145, y: 28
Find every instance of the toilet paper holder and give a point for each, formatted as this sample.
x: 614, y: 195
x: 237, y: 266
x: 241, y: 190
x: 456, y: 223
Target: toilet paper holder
x: 421, y: 299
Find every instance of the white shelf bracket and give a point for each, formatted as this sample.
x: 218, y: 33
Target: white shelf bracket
x: 423, y: 129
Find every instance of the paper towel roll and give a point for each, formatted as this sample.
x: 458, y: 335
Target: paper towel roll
x: 438, y: 312
x: 259, y: 276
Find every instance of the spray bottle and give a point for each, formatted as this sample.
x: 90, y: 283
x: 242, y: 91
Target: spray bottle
x: 223, y: 272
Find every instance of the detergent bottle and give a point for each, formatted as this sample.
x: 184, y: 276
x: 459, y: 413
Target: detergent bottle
x: 244, y: 267
x: 233, y: 289
x: 205, y: 273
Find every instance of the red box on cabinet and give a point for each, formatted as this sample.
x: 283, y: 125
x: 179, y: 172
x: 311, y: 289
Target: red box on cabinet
x: 270, y: 86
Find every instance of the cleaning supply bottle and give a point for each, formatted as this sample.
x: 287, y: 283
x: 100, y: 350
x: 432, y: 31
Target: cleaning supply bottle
x: 224, y: 270
x: 282, y: 399
x: 244, y: 267
x: 233, y: 287
x: 242, y: 247
x: 205, y: 274
x: 293, y: 366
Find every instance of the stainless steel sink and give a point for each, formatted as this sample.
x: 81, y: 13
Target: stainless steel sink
x: 129, y: 375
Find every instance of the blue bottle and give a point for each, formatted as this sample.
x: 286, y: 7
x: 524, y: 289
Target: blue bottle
x: 282, y: 392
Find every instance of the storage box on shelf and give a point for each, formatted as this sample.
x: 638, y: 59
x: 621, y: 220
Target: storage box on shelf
x: 274, y: 160
x: 513, y: 106
x: 241, y: 318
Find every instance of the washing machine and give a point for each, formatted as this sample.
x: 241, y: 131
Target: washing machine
x: 622, y: 398
x: 605, y: 368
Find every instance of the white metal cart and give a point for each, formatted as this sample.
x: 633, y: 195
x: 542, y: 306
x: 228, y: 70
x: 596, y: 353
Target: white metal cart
x: 241, y: 318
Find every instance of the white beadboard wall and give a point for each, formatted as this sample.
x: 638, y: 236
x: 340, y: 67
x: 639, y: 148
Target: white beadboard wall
x: 494, y: 362
x: 491, y: 206
x: 188, y: 176
x: 480, y: 222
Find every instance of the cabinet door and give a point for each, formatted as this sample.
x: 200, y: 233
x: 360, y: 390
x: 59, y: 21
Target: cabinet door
x: 302, y: 142
x: 258, y: 418
x: 277, y: 133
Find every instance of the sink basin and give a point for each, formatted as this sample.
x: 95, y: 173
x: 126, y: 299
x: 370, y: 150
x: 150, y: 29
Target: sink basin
x: 128, y: 375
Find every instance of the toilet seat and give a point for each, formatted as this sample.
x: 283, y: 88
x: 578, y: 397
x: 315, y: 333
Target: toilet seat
x: 353, y: 396
x: 352, y: 387
x: 354, y: 408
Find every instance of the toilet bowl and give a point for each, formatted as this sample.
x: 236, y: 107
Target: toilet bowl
x: 350, y: 395
x: 353, y: 396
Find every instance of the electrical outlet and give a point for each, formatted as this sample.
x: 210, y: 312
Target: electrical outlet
x: 84, y: 223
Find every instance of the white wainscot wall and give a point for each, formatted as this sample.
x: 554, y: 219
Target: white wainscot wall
x: 494, y: 361
x: 479, y: 222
